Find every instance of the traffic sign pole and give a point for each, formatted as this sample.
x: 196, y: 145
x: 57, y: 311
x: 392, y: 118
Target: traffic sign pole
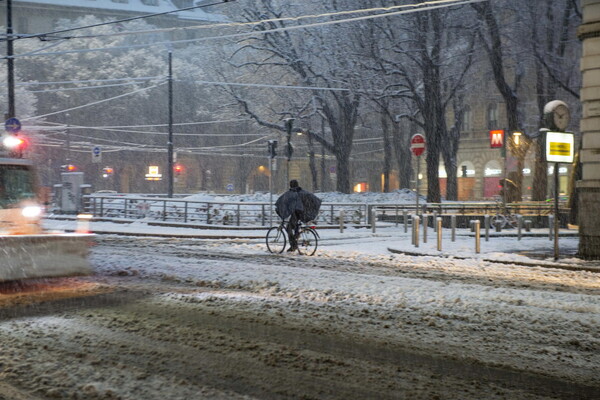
x: 417, y: 147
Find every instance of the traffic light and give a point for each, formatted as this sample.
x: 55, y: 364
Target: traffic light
x: 68, y: 168
x: 107, y: 172
x: 178, y: 168
x: 272, y: 148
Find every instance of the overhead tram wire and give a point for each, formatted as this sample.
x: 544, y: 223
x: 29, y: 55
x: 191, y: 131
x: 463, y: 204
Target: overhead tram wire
x: 246, y: 34
x: 95, y: 102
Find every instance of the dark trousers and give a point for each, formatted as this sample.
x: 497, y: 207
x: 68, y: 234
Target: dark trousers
x: 292, y: 228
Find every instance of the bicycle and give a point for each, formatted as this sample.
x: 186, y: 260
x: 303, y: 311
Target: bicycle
x: 306, y: 237
x: 505, y: 218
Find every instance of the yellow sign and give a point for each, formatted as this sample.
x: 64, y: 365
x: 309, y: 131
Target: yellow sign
x: 153, y: 173
x: 559, y: 147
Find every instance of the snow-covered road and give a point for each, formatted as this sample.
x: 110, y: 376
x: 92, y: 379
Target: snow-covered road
x: 186, y: 318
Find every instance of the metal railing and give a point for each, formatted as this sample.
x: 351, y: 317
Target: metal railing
x: 230, y: 213
x: 211, y: 213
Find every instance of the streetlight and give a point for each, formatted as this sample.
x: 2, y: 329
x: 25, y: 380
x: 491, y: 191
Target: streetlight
x: 170, y: 139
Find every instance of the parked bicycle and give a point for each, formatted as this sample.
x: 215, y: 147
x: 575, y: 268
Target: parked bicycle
x: 306, y: 236
x: 505, y: 218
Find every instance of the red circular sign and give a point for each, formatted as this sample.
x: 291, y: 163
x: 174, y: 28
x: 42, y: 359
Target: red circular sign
x: 417, y: 144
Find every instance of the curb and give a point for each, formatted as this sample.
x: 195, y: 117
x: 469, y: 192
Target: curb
x: 521, y: 263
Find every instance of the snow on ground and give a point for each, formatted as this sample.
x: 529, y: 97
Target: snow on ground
x: 503, y: 302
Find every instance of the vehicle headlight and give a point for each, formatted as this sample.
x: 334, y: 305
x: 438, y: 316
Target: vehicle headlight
x: 31, y: 211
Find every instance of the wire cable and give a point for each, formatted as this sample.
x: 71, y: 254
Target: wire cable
x: 247, y: 34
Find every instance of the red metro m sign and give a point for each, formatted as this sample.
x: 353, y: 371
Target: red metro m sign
x: 497, y: 138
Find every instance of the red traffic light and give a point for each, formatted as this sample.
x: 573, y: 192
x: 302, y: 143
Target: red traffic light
x: 178, y: 168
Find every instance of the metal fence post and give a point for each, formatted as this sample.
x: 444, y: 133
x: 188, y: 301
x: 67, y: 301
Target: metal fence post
x: 486, y: 219
x: 405, y: 220
x: 262, y: 213
x: 396, y: 215
x: 332, y: 216
x: 238, y: 215
x: 550, y: 227
x: 185, y: 211
x: 438, y: 224
x: 341, y: 221
x: 519, y: 226
x: 453, y: 226
x: 374, y: 219
x: 207, y: 213
x: 425, y: 223
x: 102, y: 207
x: 435, y: 214
x: 164, y: 210
x: 477, y: 236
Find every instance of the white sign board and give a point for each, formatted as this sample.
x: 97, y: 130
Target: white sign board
x: 559, y: 147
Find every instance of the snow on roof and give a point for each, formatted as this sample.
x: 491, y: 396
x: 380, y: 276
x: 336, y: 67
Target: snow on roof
x: 134, y: 6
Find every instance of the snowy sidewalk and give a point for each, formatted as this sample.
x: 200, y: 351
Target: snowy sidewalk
x: 534, y: 248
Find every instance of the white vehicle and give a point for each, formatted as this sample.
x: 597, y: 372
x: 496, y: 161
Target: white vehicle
x: 26, y: 250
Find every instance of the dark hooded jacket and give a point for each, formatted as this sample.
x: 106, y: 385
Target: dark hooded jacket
x: 306, y: 204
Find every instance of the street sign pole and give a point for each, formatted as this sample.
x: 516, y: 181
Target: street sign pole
x: 556, y: 215
x: 417, y: 147
x: 418, y: 168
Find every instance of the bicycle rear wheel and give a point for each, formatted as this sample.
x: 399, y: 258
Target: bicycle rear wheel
x: 276, y: 240
x: 307, y: 242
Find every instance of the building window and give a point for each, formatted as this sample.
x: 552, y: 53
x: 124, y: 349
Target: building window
x: 466, y: 119
x: 492, y: 116
x: 150, y: 2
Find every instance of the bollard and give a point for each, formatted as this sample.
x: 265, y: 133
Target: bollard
x: 486, y: 222
x: 527, y: 225
x: 519, y: 226
x: 435, y: 215
x: 412, y: 234
x: 341, y: 221
x: 425, y: 223
x: 416, y: 221
x: 498, y: 226
x: 405, y: 219
x: 83, y: 223
x: 396, y: 215
x: 438, y: 225
x: 374, y: 220
x: 477, y: 237
x: 472, y: 224
x: 550, y: 227
x: 453, y: 226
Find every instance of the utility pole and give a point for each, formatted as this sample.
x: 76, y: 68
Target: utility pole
x: 10, y: 62
x: 289, y: 123
x: 170, y: 140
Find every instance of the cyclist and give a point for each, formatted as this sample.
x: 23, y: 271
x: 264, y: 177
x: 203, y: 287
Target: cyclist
x: 298, y: 205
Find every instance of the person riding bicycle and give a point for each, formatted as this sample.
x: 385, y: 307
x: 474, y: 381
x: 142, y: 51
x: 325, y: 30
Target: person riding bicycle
x: 299, y: 205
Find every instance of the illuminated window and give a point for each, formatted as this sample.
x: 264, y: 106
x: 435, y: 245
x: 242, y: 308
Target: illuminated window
x: 361, y: 187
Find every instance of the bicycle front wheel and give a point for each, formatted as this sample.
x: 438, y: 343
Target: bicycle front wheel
x: 307, y: 242
x: 276, y: 240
